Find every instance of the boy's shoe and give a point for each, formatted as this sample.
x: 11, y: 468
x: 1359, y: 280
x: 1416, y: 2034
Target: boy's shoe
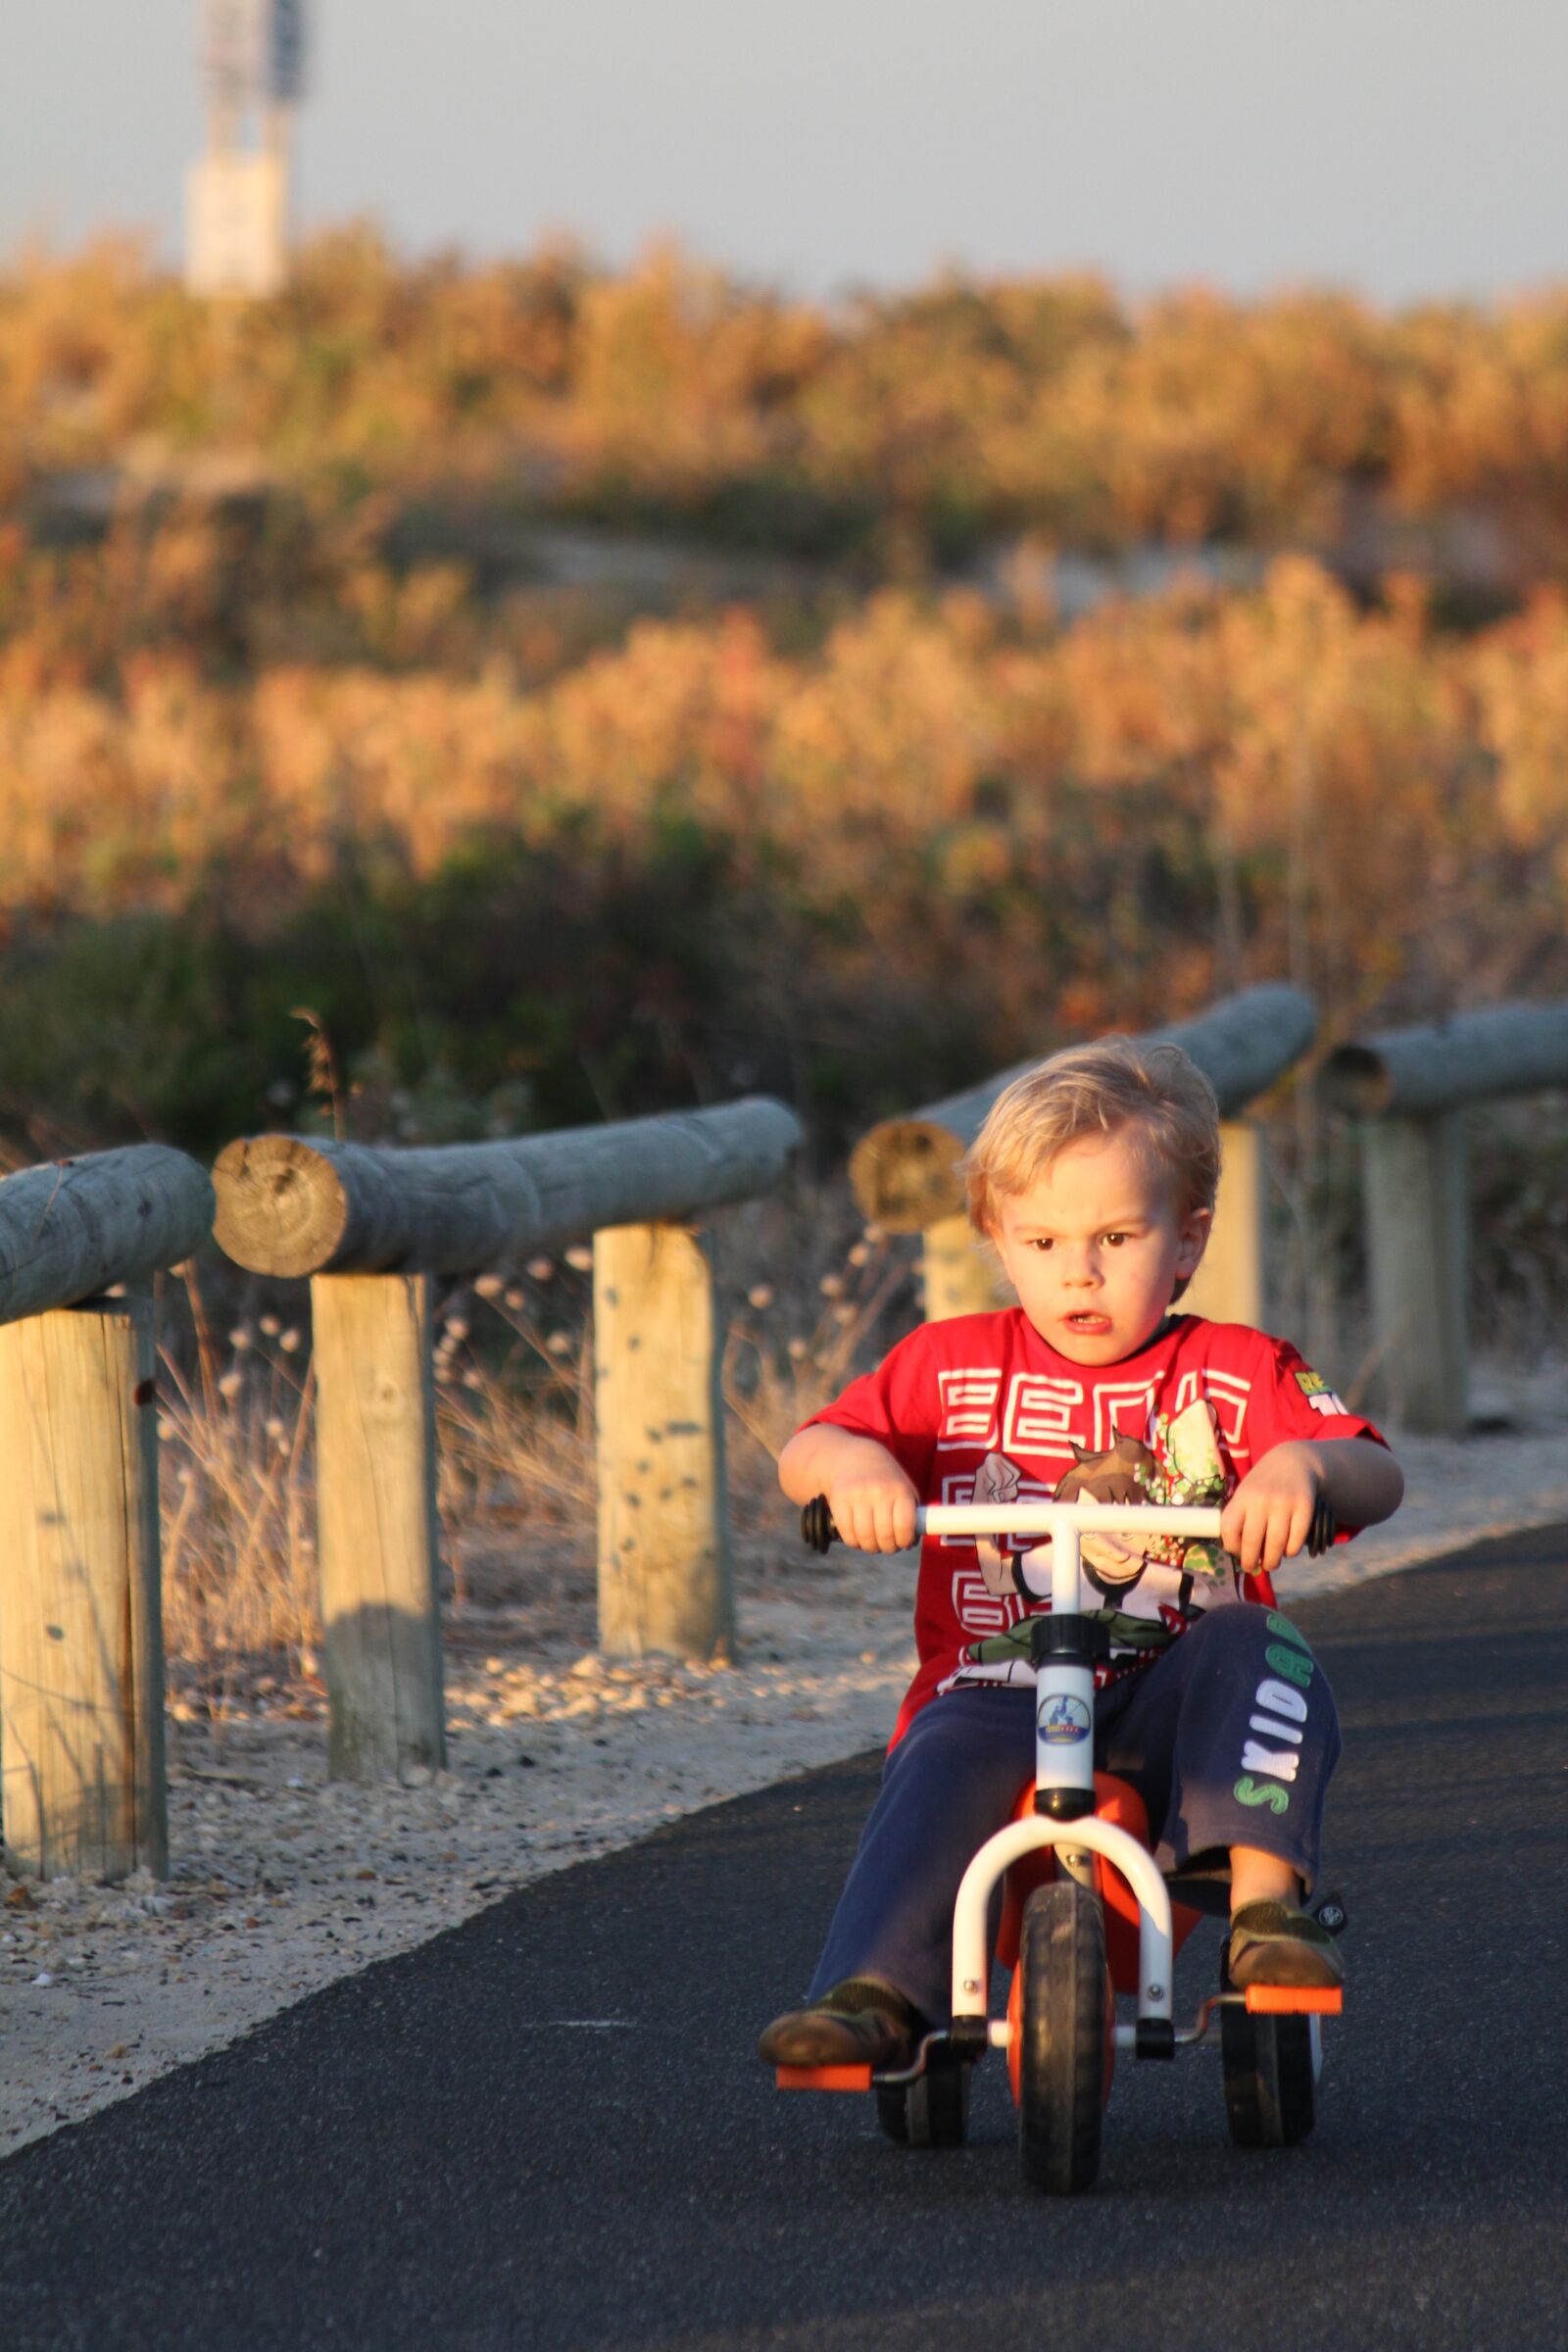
x: 860, y: 2023
x: 1274, y: 1943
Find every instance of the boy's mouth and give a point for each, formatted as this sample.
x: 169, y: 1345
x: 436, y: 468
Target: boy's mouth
x: 1088, y: 1322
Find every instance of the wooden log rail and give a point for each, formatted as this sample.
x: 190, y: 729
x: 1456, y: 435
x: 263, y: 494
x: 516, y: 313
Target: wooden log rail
x: 81, y: 1661
x: 370, y: 1227
x: 1412, y: 1092
x: 904, y: 1171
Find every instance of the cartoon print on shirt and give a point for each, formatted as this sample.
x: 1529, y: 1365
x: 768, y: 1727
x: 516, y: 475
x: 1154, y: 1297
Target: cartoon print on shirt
x: 995, y: 1481
x: 1121, y: 1474
x: 1184, y: 1464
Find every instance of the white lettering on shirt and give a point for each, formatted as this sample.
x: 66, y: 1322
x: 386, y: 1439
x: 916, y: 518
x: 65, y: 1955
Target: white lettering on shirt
x: 1122, y: 1409
x: 977, y: 1608
x: 1229, y: 1396
x: 1040, y: 1415
x: 968, y: 1407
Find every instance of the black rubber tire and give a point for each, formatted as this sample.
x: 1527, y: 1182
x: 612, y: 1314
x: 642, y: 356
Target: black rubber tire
x: 1061, y: 2061
x: 1270, y: 2098
x: 932, y: 2112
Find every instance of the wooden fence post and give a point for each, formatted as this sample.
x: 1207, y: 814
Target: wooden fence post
x: 664, y: 1581
x: 81, y: 1671
x: 1410, y: 1089
x: 1418, y: 1231
x: 959, y: 1278
x: 380, y: 1545
x: 1228, y: 1286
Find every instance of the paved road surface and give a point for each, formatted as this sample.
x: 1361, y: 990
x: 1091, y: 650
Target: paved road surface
x: 428, y: 2156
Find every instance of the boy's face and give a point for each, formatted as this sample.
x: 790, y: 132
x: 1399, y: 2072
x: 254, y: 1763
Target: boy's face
x: 1096, y: 1246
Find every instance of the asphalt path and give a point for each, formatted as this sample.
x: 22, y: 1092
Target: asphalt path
x: 546, y: 2128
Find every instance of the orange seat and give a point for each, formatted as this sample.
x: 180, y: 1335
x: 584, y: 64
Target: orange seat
x: 1116, y: 1800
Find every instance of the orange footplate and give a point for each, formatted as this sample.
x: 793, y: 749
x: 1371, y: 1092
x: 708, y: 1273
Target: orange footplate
x: 1295, y: 2000
x: 823, y: 2078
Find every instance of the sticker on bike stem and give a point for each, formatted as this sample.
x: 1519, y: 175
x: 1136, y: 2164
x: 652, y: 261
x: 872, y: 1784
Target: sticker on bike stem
x: 1064, y: 1722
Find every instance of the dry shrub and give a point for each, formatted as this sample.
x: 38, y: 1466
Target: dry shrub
x: 671, y: 388
x: 241, y: 1590
x: 1025, y: 811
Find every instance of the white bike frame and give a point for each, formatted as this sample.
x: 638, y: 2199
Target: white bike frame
x: 1064, y: 1751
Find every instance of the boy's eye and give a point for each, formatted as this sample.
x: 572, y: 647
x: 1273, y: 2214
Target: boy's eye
x: 1039, y: 1243
x: 1115, y: 1241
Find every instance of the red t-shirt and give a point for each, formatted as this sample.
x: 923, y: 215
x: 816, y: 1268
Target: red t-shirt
x: 955, y: 1393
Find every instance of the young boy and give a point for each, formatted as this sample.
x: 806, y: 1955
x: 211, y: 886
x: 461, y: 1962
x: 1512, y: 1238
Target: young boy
x: 1094, y: 1180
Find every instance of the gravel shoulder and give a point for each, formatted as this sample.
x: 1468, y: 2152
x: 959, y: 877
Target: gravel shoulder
x: 283, y: 1881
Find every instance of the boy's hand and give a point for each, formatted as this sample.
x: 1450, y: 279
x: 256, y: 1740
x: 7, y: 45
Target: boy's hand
x: 1269, y: 1516
x: 873, y: 1507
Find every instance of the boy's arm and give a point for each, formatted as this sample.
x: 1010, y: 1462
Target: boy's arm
x: 872, y: 1500
x: 1270, y: 1514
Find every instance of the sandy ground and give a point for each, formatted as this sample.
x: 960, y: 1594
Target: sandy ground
x: 281, y: 1882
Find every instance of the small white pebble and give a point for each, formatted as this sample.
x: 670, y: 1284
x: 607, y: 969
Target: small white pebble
x: 44, y: 1978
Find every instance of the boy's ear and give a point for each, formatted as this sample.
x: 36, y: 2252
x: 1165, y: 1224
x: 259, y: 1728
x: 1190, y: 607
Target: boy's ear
x: 1195, y: 1228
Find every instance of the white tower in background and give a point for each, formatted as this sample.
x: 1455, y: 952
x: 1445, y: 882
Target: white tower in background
x: 252, y: 58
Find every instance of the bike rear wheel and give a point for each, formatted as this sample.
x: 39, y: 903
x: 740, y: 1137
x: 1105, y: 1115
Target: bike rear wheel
x: 931, y: 2112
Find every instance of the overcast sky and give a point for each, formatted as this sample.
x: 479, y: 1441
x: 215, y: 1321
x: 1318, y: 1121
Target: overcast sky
x: 1405, y: 147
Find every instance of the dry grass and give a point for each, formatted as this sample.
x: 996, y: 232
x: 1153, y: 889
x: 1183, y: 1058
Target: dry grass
x: 515, y: 1423
x: 242, y: 1595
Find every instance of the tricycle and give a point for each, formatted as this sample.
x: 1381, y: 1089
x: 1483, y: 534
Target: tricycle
x: 1086, y: 1912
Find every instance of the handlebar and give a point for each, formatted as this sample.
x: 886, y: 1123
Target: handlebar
x: 1042, y: 1519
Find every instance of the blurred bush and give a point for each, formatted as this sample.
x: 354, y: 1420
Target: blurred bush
x: 672, y: 392
x: 861, y: 868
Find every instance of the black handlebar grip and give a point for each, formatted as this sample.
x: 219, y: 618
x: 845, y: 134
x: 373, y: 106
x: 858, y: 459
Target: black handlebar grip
x: 1323, y: 1530
x: 817, y: 1524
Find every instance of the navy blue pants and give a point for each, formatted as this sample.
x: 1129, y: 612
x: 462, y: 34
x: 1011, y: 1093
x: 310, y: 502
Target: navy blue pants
x: 1229, y: 1738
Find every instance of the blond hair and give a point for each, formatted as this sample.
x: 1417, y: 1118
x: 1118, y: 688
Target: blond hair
x: 1097, y: 1090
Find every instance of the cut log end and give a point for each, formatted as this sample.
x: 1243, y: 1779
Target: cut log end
x: 282, y: 1207
x: 905, y: 1174
x: 1355, y: 1079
